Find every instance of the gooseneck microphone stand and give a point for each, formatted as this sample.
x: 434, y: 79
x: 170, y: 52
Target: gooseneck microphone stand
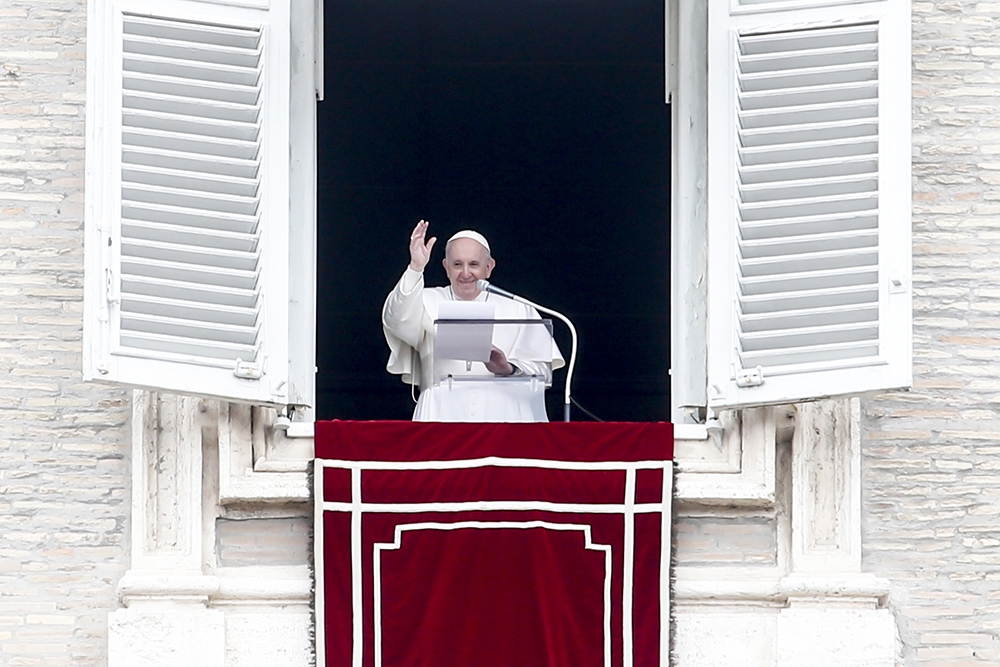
x: 486, y: 286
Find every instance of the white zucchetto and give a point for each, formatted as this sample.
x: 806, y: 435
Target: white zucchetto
x: 469, y: 234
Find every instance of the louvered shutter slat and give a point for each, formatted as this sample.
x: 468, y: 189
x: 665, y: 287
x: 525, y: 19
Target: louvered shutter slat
x: 809, y: 95
x: 806, y: 243
x: 810, y: 114
x: 806, y: 77
x: 803, y: 263
x: 817, y: 224
x: 184, y: 106
x: 808, y: 280
x: 208, y: 275
x: 182, y: 348
x: 190, y: 88
x: 181, y: 309
x: 179, y: 142
x: 773, y: 44
x: 154, y: 231
x: 181, y: 161
x: 799, y: 319
x: 199, y: 218
x: 768, y: 172
x: 797, y: 208
x: 186, y: 179
x: 809, y: 132
x: 193, y: 329
x: 802, y: 299
x: 804, y: 60
x: 223, y: 258
x: 792, y: 152
x: 770, y: 340
x: 219, y: 203
x: 780, y: 189
x: 192, y: 68
x: 207, y: 53
x: 814, y: 357
x: 221, y: 129
x: 185, y: 34
x: 193, y: 293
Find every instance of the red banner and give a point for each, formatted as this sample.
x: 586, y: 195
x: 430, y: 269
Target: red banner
x: 492, y: 545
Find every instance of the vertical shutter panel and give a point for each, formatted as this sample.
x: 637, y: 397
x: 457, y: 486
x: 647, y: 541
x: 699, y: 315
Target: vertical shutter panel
x: 808, y: 202
x: 187, y: 199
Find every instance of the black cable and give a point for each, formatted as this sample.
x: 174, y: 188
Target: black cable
x: 585, y: 410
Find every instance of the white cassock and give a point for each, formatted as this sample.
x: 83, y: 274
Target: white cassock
x: 408, y: 322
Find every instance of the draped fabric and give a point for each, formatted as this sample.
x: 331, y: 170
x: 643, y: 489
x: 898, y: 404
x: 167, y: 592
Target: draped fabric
x: 492, y: 545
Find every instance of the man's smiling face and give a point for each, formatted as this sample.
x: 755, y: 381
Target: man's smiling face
x: 465, y: 262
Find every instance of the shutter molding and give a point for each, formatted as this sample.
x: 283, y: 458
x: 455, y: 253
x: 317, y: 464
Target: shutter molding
x: 187, y: 214
x: 809, y: 200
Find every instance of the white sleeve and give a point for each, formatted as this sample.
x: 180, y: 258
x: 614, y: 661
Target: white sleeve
x: 530, y: 340
x: 402, y: 315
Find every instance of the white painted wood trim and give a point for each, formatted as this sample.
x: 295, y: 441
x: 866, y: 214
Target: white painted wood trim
x: 714, y: 478
x: 689, y: 209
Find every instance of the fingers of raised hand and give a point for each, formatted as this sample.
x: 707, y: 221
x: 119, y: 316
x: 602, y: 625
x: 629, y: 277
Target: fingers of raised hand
x: 419, y: 231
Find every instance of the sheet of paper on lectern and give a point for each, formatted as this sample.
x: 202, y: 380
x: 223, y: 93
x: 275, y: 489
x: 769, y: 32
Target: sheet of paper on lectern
x: 464, y: 341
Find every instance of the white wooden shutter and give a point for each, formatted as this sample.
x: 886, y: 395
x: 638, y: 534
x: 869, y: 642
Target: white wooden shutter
x: 187, y: 197
x: 809, y: 199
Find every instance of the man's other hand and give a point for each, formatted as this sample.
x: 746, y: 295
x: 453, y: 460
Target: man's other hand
x: 498, y: 364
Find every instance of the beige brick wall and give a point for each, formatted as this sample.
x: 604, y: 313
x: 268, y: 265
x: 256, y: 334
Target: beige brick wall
x: 932, y: 456
x: 63, y: 454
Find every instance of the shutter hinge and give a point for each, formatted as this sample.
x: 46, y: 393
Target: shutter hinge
x: 248, y: 370
x: 898, y: 283
x: 111, y: 287
x: 750, y: 377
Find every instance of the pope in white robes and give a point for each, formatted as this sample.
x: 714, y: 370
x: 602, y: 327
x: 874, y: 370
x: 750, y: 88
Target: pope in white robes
x: 507, y: 388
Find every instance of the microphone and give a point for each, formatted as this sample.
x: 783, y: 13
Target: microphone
x: 486, y: 286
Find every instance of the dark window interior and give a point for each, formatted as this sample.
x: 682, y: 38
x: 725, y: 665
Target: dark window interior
x: 541, y: 124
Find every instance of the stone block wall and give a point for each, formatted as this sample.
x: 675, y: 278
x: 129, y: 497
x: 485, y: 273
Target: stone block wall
x: 64, y: 469
x: 931, y: 456
x: 712, y: 536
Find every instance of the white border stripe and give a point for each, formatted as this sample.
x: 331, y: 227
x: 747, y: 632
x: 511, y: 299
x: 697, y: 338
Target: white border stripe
x: 628, y: 567
x: 493, y: 506
x: 357, y: 601
x: 666, y: 544
x: 397, y: 542
x: 319, y: 572
x: 497, y: 461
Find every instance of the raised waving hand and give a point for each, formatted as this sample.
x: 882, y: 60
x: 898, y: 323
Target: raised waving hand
x: 420, y: 250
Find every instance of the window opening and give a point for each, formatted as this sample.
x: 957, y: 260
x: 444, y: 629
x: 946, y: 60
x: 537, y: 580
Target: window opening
x: 540, y: 123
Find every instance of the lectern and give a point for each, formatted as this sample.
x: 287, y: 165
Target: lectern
x: 465, y: 391
x: 492, y: 545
